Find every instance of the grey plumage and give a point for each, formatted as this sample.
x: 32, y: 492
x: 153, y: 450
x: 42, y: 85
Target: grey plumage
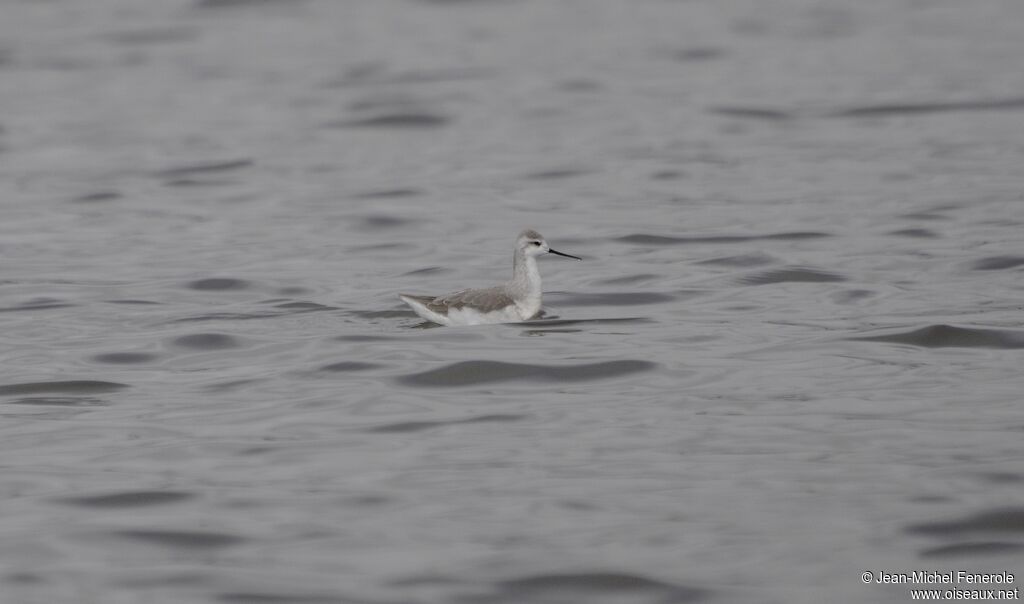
x: 518, y: 299
x: 483, y: 300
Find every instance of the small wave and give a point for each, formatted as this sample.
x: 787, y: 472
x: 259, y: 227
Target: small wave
x: 997, y: 520
x: 756, y: 113
x: 63, y: 387
x: 239, y: 3
x: 301, y: 307
x: 792, y: 275
x: 557, y: 174
x: 154, y: 35
x: 925, y: 108
x: 417, y: 426
x: 995, y: 263
x: 471, y: 373
x: 610, y: 298
x: 38, y: 304
x: 124, y: 358
x: 915, y: 233
x: 740, y: 261
x: 566, y: 322
x: 629, y: 279
x: 127, y: 499
x: 850, y: 296
x: 948, y: 336
x: 699, y: 53
x: 98, y: 196
x: 186, y: 540
x: 646, y: 239
x: 207, y: 341
x: 218, y: 284
x: 395, y: 120
x: 388, y: 194
x: 205, y: 168
x: 349, y: 366
x: 59, y: 401
x: 972, y: 549
x: 594, y: 587
x: 267, y: 597
x: 383, y: 221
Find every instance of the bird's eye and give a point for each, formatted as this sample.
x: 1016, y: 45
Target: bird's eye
x: 535, y: 242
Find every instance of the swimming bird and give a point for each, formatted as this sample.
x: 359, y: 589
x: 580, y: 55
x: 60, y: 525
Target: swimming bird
x: 515, y: 300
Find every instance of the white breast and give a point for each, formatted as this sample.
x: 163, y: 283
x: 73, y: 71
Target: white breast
x: 528, y: 307
x: 470, y: 316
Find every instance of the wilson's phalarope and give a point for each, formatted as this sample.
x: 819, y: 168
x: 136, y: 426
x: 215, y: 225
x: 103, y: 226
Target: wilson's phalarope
x: 515, y: 300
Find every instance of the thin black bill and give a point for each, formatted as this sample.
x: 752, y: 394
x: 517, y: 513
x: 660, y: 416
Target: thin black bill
x: 566, y: 255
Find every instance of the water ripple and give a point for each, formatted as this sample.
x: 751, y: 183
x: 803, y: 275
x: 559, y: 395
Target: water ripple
x: 611, y: 298
x: 63, y: 387
x: 757, y: 113
x: 593, y: 587
x: 261, y: 597
x: 349, y: 366
x: 699, y: 53
x: 187, y: 540
x: 37, y: 304
x: 207, y: 341
x: 567, y: 322
x: 742, y: 260
x: 972, y: 549
x: 994, y: 263
x: 916, y: 233
x: 557, y: 173
x: 997, y: 520
x: 388, y: 194
x: 383, y: 221
x: 791, y: 275
x: 924, y: 108
x: 239, y: 3
x: 646, y: 239
x: 417, y: 426
x: 948, y: 336
x: 127, y: 499
x: 204, y: 168
x: 59, y: 401
x: 394, y: 120
x: 218, y: 284
x: 300, y: 307
x: 98, y: 196
x: 124, y: 358
x: 470, y: 373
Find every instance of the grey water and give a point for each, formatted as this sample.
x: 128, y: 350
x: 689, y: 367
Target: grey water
x: 792, y: 354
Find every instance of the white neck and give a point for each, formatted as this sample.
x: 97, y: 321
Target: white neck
x: 525, y: 275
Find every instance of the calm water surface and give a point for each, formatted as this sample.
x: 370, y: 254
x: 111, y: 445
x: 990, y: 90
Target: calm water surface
x: 792, y: 354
